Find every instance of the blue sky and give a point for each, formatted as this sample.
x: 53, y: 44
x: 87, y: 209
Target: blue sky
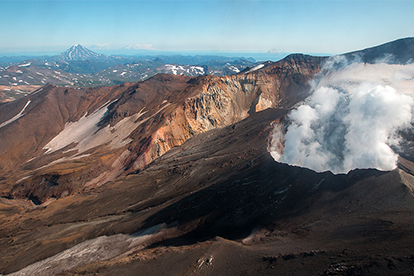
x: 243, y: 26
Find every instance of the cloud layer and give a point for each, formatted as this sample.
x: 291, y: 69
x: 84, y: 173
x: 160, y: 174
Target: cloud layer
x: 353, y: 118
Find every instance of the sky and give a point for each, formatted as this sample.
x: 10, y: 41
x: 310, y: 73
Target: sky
x: 202, y: 26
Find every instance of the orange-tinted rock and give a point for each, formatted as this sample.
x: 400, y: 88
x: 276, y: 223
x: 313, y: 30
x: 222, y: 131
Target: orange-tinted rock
x: 166, y: 111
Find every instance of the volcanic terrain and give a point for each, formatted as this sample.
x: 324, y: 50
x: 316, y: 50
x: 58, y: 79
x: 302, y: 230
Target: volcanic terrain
x: 174, y: 176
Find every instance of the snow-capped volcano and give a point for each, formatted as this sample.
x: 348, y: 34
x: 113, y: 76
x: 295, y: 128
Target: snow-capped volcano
x: 78, y: 52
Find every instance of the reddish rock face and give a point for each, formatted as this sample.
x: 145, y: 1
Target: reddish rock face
x: 179, y: 161
x: 173, y: 175
x: 61, y: 142
x: 120, y: 129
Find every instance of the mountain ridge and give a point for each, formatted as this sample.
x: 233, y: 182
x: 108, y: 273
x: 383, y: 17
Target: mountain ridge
x: 80, y: 67
x: 400, y: 51
x: 175, y: 172
x: 175, y: 109
x: 110, y: 70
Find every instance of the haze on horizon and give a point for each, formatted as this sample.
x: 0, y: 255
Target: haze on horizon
x: 209, y: 26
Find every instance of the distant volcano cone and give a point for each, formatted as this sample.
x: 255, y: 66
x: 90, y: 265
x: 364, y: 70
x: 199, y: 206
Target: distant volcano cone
x: 78, y: 52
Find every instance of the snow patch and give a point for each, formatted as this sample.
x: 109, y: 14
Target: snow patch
x: 234, y: 68
x: 198, y: 69
x: 94, y: 250
x: 24, y: 178
x: 15, y: 117
x: 63, y: 159
x: 25, y: 65
x: 75, y: 132
x: 257, y: 67
x: 174, y: 68
x: 37, y: 91
x: 87, y: 135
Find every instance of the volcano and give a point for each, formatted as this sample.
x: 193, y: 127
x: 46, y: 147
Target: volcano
x: 175, y: 175
x: 77, y: 52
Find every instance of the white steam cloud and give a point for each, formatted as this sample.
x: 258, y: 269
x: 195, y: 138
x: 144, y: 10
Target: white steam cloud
x: 352, y: 120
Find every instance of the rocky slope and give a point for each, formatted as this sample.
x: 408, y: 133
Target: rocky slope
x: 269, y: 217
x: 400, y: 51
x: 76, y: 138
x: 173, y: 174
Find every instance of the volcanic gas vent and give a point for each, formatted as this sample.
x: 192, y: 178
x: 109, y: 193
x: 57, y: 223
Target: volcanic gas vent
x: 353, y: 119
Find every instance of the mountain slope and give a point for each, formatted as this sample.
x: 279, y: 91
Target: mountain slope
x: 77, y: 52
x: 143, y: 122
x: 80, y: 60
x: 400, y: 51
x: 174, y: 173
x: 225, y: 183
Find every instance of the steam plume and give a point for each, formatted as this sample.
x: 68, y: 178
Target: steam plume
x: 353, y: 118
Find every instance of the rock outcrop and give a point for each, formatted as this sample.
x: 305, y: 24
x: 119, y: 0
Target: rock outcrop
x: 119, y: 130
x: 174, y: 174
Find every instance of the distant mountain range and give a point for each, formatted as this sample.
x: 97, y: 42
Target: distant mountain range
x: 80, y: 60
x: 79, y: 66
